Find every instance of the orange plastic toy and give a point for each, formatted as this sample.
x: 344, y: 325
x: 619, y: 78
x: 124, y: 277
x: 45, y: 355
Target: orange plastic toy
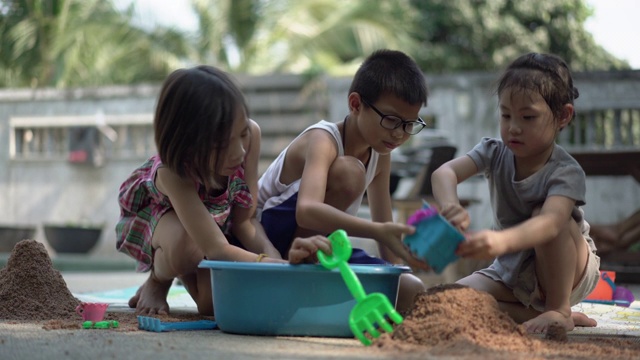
x: 603, y: 290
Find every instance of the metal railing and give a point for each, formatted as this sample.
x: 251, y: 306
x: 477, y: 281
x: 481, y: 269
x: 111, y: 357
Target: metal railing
x: 617, y: 129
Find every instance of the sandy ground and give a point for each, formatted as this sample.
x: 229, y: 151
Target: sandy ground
x: 33, y: 341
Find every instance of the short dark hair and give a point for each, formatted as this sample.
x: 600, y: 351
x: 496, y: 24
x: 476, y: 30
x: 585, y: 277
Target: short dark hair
x: 393, y: 72
x: 546, y: 74
x: 193, y: 120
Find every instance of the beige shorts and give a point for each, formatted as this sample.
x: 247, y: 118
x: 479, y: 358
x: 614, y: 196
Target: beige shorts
x: 528, y: 292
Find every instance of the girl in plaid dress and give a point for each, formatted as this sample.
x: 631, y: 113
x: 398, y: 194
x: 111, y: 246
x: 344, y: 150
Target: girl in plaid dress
x: 180, y: 206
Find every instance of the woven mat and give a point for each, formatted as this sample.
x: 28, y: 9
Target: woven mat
x: 178, y: 298
x: 612, y: 320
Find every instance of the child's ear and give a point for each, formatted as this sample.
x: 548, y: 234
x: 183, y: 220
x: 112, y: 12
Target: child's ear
x: 567, y: 116
x: 355, y: 103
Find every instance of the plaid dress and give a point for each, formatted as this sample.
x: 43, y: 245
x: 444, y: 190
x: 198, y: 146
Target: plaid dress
x: 142, y: 206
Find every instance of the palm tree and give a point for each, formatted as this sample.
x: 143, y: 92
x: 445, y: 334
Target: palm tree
x: 258, y: 36
x: 88, y: 42
x: 65, y: 43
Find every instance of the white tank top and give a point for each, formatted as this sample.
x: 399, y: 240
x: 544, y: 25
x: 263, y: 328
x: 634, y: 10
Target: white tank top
x: 271, y: 192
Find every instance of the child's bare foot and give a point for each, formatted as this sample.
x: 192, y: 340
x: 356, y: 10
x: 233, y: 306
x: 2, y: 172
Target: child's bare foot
x: 581, y: 319
x: 151, y: 297
x: 540, y: 323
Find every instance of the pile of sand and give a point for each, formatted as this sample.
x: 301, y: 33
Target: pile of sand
x: 460, y: 314
x: 31, y: 289
x: 453, y: 320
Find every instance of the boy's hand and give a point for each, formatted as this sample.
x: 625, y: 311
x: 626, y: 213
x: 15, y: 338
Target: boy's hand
x: 485, y: 245
x: 457, y: 215
x: 391, y: 236
x: 305, y: 249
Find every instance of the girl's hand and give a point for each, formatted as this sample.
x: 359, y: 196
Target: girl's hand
x: 272, y: 252
x: 456, y: 215
x: 305, y: 249
x: 485, y: 245
x: 391, y: 236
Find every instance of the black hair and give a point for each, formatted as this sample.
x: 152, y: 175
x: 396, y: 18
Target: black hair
x: 546, y: 74
x: 393, y: 72
x: 193, y: 120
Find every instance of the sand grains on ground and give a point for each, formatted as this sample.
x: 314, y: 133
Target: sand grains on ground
x: 454, y: 320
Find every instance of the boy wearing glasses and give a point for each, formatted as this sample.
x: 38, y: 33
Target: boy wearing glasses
x: 316, y: 184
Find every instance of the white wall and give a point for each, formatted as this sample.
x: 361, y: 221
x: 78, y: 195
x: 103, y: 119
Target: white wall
x: 54, y: 190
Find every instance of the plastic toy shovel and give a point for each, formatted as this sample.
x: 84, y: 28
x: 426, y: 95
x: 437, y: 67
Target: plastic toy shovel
x: 371, y: 311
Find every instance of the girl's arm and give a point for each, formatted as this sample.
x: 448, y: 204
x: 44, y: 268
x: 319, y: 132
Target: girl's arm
x: 196, y: 220
x: 246, y: 228
x: 539, y: 229
x: 444, y: 182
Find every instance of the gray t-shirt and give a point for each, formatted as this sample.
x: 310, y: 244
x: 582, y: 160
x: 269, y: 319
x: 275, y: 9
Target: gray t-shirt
x: 513, y: 201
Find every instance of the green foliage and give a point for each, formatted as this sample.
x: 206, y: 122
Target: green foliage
x: 466, y: 35
x: 65, y: 43
x: 296, y: 36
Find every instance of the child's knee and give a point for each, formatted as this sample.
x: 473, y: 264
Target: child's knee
x: 183, y: 256
x: 468, y: 281
x: 411, y: 283
x: 568, y: 234
x: 410, y: 286
x: 347, y: 175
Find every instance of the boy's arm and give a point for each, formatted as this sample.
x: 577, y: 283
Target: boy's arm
x: 311, y: 210
x: 380, y: 208
x: 313, y: 213
x: 306, y: 249
x: 246, y: 228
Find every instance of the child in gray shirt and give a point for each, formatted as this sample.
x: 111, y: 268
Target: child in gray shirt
x: 545, y: 261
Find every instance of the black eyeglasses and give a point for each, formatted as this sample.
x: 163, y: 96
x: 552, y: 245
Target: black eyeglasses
x: 392, y: 122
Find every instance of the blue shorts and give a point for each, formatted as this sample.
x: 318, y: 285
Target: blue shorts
x: 280, y: 225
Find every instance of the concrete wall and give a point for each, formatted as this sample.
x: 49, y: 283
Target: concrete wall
x: 52, y: 190
x: 39, y: 190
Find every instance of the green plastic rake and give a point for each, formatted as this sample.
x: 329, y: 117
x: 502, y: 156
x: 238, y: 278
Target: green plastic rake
x: 371, y: 311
